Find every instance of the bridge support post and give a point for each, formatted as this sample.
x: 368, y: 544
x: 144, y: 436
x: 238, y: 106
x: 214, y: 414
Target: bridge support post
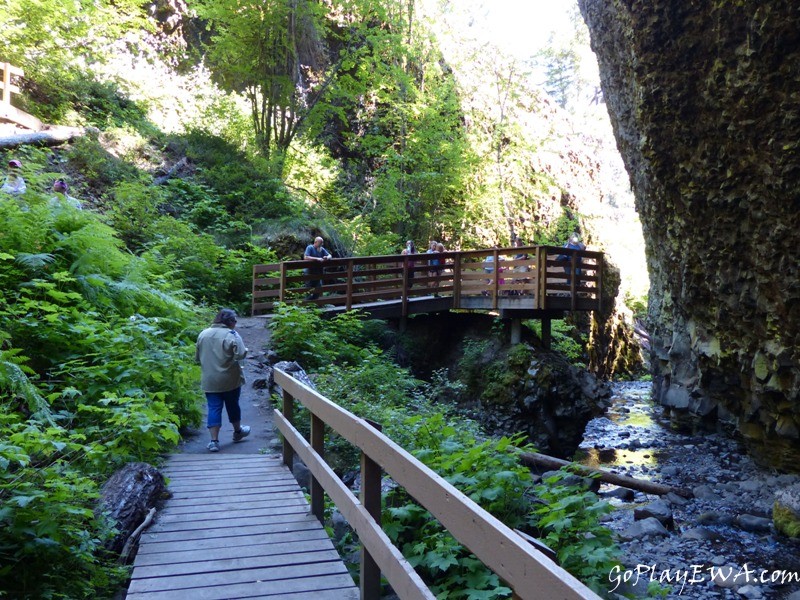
x: 547, y: 335
x: 402, y: 324
x: 516, y: 331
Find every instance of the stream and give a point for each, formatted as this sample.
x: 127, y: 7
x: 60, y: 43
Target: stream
x: 718, y: 544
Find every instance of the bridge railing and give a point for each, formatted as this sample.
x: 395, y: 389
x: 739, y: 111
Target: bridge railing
x: 524, y: 569
x: 7, y: 110
x: 535, y: 277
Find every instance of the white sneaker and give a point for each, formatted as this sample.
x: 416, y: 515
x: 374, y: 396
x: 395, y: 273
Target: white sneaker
x: 243, y: 432
x: 213, y: 446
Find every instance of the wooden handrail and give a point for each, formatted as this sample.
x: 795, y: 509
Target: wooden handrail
x: 529, y: 574
x: 543, y: 278
x: 7, y: 110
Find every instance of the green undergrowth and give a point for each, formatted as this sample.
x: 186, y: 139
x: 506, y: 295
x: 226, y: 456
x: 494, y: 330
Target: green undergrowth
x: 361, y: 378
x: 96, y: 370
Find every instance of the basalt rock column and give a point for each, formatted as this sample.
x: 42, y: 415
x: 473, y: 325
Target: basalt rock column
x: 704, y: 97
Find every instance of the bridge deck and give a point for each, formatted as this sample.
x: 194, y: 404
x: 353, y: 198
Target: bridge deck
x: 236, y: 526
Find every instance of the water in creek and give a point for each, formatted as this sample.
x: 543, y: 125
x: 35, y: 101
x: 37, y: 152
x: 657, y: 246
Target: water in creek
x: 635, y: 439
x: 628, y: 439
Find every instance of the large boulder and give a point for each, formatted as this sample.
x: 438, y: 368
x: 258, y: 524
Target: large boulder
x: 786, y: 511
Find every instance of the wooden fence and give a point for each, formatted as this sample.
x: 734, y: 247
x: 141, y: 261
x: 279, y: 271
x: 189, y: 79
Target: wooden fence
x: 530, y: 278
x: 7, y: 111
x: 523, y: 568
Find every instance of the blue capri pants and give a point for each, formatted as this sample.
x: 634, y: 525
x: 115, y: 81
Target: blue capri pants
x: 230, y: 400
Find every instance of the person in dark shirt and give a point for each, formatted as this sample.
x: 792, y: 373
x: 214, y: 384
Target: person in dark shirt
x: 317, y: 253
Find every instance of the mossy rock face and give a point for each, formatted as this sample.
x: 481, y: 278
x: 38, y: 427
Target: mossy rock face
x: 709, y: 139
x: 786, y: 511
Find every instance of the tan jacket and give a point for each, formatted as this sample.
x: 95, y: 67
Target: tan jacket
x: 219, y: 350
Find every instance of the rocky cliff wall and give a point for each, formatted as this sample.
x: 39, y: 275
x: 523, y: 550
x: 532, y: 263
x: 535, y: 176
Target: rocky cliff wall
x: 704, y: 97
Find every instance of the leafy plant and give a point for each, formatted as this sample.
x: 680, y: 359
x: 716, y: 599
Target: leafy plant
x: 569, y: 520
x: 96, y: 370
x: 566, y: 339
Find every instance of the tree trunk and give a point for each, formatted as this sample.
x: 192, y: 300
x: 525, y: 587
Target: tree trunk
x: 127, y: 497
x: 54, y: 137
x: 648, y: 487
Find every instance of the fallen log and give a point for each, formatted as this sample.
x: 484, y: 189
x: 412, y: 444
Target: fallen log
x: 48, y: 137
x: 648, y: 487
x: 127, y: 497
x: 171, y: 173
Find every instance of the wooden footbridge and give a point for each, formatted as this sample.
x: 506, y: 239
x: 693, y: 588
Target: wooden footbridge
x: 238, y: 526
x: 532, y: 282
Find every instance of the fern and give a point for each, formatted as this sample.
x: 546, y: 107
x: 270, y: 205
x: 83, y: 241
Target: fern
x: 15, y: 381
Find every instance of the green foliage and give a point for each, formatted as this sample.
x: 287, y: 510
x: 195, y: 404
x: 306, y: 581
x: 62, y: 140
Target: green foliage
x: 471, y: 364
x: 253, y: 48
x: 242, y: 187
x: 501, y: 376
x: 88, y: 156
x: 569, y: 520
x: 300, y: 333
x: 54, y: 41
x: 96, y: 370
x: 559, y: 231
x: 489, y: 473
x: 637, y: 305
x: 566, y: 339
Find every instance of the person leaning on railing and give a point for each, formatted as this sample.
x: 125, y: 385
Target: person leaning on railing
x: 317, y: 253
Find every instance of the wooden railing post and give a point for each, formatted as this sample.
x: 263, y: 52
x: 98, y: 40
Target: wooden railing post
x: 457, y: 280
x: 406, y: 279
x: 282, y: 294
x: 6, y: 84
x: 348, y: 302
x: 541, y: 254
x: 573, y: 279
x: 599, y: 262
x: 371, y: 500
x: 496, y: 292
x: 253, y: 294
x: 288, y: 414
x: 318, y: 445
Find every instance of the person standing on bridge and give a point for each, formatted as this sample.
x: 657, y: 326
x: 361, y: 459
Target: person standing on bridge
x: 317, y: 253
x: 220, y: 350
x: 410, y: 249
x: 573, y: 243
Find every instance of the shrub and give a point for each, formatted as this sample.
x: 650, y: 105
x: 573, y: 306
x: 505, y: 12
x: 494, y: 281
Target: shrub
x: 96, y: 370
x: 569, y: 522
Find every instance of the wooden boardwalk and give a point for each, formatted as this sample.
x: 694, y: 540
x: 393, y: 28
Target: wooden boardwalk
x: 236, y: 526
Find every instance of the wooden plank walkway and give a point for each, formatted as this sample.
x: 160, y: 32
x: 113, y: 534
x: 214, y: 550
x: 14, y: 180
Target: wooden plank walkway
x: 236, y: 526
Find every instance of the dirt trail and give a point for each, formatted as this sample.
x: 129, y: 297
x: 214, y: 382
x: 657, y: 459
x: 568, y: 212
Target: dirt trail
x: 256, y: 407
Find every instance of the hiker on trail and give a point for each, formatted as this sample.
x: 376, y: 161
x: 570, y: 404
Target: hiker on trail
x: 62, y: 197
x: 315, y: 252
x: 219, y: 351
x: 14, y: 183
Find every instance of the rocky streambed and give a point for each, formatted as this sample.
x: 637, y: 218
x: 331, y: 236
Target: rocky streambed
x: 720, y: 543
